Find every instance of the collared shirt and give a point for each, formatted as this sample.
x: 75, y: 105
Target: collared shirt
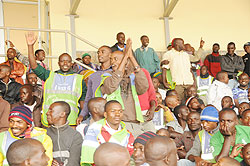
x: 240, y: 94
x: 180, y: 67
x: 185, y: 140
x: 177, y: 127
x: 242, y: 137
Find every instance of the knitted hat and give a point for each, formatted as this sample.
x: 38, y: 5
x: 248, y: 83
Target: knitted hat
x: 143, y: 138
x: 157, y: 74
x: 86, y: 54
x: 188, y: 100
x: 87, y: 73
x: 23, y: 113
x: 210, y: 114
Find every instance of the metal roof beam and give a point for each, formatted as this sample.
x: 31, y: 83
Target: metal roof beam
x: 73, y: 6
x: 170, y: 7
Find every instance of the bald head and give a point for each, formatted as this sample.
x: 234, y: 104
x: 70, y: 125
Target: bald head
x: 226, y: 161
x: 161, y: 150
x: 172, y: 101
x: 221, y: 75
x: 96, y: 107
x: 111, y: 154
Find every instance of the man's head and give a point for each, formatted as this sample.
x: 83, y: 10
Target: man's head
x: 139, y: 144
x: 116, y: 59
x: 172, y: 92
x: 247, y: 47
x: 194, y: 121
x: 222, y: 77
x: 209, y: 118
x: 231, y: 48
x: 104, y: 54
x: 96, y: 107
x: 11, y: 53
x: 216, y: 48
x: 160, y: 150
x: 204, y: 70
x: 172, y: 101
x: 144, y: 40
x: 5, y: 71
x: 226, y: 161
x: 245, y: 117
x: 244, y: 80
x: 156, y: 83
x: 193, y: 104
x: 163, y: 132
x: 181, y: 112
x: 86, y: 59
x: 178, y: 44
x: 111, y: 154
x: 27, y: 152
x: 120, y: 37
x: 26, y: 94
x: 246, y: 153
x: 32, y: 79
x: 65, y: 62
x: 191, y: 91
x: 113, y: 113
x: 228, y: 120
x: 188, y: 49
x: 158, y: 98
x: 58, y: 113
x: 40, y: 55
x: 20, y: 119
x: 242, y: 107
x: 227, y: 102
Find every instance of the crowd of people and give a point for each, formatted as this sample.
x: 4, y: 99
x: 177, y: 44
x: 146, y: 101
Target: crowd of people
x: 133, y: 108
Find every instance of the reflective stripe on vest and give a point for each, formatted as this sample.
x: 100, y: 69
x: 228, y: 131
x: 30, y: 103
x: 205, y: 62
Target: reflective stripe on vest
x: 202, y: 90
x: 66, y: 88
x: 204, y: 154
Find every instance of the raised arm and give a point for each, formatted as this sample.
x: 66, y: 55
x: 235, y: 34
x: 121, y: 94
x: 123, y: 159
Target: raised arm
x: 31, y: 40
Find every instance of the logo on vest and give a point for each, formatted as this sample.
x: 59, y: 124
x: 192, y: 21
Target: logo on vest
x: 63, y: 87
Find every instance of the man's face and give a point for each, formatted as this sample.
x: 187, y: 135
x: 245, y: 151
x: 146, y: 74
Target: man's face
x: 103, y: 54
x: 226, y: 102
x: 243, y: 80
x: 121, y: 38
x: 191, y: 91
x: 194, y: 121
x: 184, y: 111
x: 11, y: 53
x: 26, y: 95
x: 113, y: 114
x: 65, y: 62
x: 138, y: 154
x: 156, y: 83
x: 246, y: 154
x: 158, y: 98
x: 216, y: 49
x: 18, y: 126
x: 39, y: 158
x: 243, y: 107
x: 32, y: 79
x: 228, y: 120
x: 54, y: 113
x: 225, y: 78
x: 86, y: 60
x: 115, y: 60
x: 194, y: 104
x: 40, y: 56
x: 246, y: 118
x: 204, y: 70
x: 3, y: 72
x: 180, y: 45
x: 173, y: 102
x: 247, y: 49
x: 208, y: 125
x: 145, y: 41
x: 231, y: 49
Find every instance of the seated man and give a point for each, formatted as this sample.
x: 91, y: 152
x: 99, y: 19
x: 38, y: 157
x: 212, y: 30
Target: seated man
x: 193, y: 104
x: 38, y: 89
x: 138, y: 155
x: 17, y: 68
x: 110, y: 129
x: 185, y: 142
x: 9, y: 88
x: 160, y: 151
x: 177, y: 127
x: 20, y: 120
x: 32, y: 102
x: 163, y: 132
x: 242, y: 107
x: 245, y: 117
x: 60, y: 85
x: 66, y: 141
x: 227, y: 102
x: 229, y: 135
x: 245, y: 153
x: 96, y: 108
x: 111, y: 154
x: 225, y: 161
x: 27, y: 152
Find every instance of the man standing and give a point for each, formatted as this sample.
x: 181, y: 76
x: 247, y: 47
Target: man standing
x: 66, y: 141
x: 246, y: 58
x: 180, y: 67
x: 120, y: 45
x: 147, y: 57
x: 60, y: 85
x: 213, y: 61
x: 232, y: 64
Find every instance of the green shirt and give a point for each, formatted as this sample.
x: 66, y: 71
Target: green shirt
x: 242, y: 137
x: 43, y: 74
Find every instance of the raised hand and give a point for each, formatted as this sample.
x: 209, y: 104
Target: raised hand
x: 202, y: 42
x: 11, y: 44
x: 128, y: 50
x: 30, y: 38
x: 236, y: 150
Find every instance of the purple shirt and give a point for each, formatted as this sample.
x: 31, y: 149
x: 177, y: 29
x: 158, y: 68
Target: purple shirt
x: 93, y: 83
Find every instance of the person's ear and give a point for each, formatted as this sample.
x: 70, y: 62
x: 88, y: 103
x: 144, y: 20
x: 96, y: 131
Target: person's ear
x: 179, y: 115
x: 26, y: 162
x: 105, y: 115
x: 62, y: 114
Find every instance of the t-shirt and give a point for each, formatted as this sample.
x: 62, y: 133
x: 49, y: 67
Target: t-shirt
x: 242, y: 137
x: 240, y: 94
x: 158, y: 119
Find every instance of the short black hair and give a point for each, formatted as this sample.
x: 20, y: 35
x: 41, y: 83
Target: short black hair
x: 143, y: 36
x: 231, y: 43
x: 39, y: 50
x: 6, y: 67
x: 110, y: 102
x: 177, y: 109
x: 120, y: 33
x: 175, y: 40
x: 219, y: 75
x: 216, y: 44
x: 244, y: 112
x: 169, y: 92
x: 228, y: 110
x: 66, y: 107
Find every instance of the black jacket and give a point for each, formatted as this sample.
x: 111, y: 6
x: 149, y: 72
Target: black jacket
x: 10, y: 91
x: 246, y: 60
